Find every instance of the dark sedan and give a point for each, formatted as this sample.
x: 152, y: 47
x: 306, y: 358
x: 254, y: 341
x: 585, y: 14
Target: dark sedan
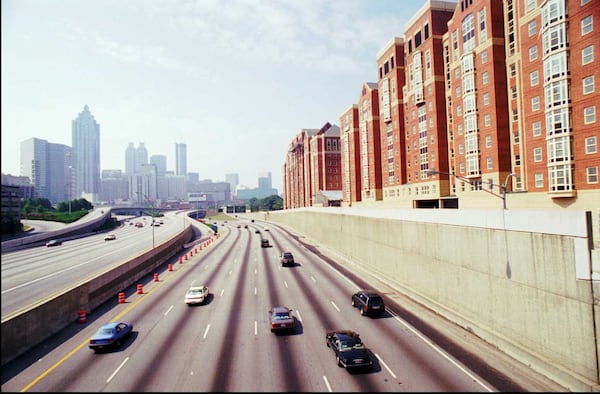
x: 53, y: 242
x: 350, y: 351
x: 110, y: 335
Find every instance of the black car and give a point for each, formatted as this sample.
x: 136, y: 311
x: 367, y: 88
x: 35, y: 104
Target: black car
x: 264, y: 243
x: 368, y: 302
x: 350, y: 351
x: 53, y: 242
x: 287, y: 259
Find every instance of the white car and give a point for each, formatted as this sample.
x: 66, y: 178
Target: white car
x: 110, y: 237
x: 196, y: 295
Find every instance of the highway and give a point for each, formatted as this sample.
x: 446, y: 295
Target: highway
x: 226, y: 344
x: 33, y: 274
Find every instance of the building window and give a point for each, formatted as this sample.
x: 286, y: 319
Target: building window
x: 468, y: 33
x: 587, y: 55
x: 589, y: 115
x: 484, y: 57
x: 513, y: 92
x: 461, y: 149
x: 537, y: 129
x: 488, y: 141
x: 486, y: 99
x: 533, y: 53
x: 490, y: 163
x: 482, y: 27
x: 426, y: 30
x: 459, y: 110
x: 458, y: 91
x: 586, y: 25
x: 534, y: 78
x: 535, y: 103
x: 513, y: 69
x: 588, y: 85
x: 539, y: 180
x: 530, y: 5
x: 457, y: 73
x: 537, y: 154
x: 460, y: 129
x: 532, y: 28
x: 484, y: 77
x: 487, y: 120
x: 592, y: 174
x: 584, y: 2
x: 591, y: 145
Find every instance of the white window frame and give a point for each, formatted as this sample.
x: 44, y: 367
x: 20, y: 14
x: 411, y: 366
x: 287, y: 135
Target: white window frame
x: 591, y: 175
x: 589, y: 84
x: 537, y: 155
x: 587, y: 55
x: 591, y: 145
x: 589, y: 115
x: 587, y: 25
x: 536, y: 129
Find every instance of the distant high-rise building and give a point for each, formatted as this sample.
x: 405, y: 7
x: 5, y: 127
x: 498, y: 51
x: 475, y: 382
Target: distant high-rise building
x: 130, y: 154
x: 234, y: 180
x: 48, y: 165
x: 180, y: 159
x: 141, y: 157
x: 160, y: 161
x: 264, y: 180
x: 86, y: 154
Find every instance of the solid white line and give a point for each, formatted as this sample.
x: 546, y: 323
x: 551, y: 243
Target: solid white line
x: 206, y: 331
x: 434, y: 347
x: 255, y: 327
x: 335, y: 306
x: 385, y: 365
x: 117, y: 370
x: 168, y: 310
x: 327, y: 384
x: 255, y: 291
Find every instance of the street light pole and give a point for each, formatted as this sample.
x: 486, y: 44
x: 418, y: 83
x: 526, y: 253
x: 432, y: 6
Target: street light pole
x: 502, y: 187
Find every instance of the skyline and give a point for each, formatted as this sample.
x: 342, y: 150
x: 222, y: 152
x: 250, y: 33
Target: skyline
x: 261, y: 72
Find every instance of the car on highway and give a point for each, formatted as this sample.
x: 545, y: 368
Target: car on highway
x: 368, y: 302
x: 110, y: 335
x: 350, y: 351
x: 110, y: 237
x: 139, y: 224
x: 286, y: 258
x: 53, y: 242
x: 281, y: 319
x: 264, y: 243
x: 196, y: 295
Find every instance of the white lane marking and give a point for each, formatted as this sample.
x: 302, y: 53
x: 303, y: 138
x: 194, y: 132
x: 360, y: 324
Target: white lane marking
x: 168, y: 310
x: 335, y: 306
x: 385, y: 365
x: 255, y: 291
x: 255, y: 328
x: 230, y: 271
x: 117, y: 370
x: 285, y: 283
x: 327, y: 384
x: 255, y: 271
x: 434, y: 347
x: 222, y: 291
x: 299, y: 317
x: 206, y: 331
x: 313, y: 279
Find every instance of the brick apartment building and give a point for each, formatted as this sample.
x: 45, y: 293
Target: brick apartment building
x: 479, y: 97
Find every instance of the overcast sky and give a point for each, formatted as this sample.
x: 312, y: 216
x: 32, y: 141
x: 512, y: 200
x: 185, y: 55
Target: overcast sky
x: 234, y: 80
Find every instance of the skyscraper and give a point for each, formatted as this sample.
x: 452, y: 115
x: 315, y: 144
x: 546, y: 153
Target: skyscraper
x: 86, y: 153
x: 130, y: 158
x: 180, y: 159
x: 141, y: 157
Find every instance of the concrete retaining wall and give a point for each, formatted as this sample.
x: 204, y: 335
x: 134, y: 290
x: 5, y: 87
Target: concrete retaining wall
x: 520, y: 280
x: 25, y: 330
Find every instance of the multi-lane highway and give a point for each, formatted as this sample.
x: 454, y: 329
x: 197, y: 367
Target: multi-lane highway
x: 226, y: 344
x: 31, y: 275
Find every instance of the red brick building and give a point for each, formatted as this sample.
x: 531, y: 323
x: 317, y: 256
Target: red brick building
x: 369, y: 142
x: 391, y: 77
x: 326, y: 160
x: 350, y: 158
x: 425, y: 105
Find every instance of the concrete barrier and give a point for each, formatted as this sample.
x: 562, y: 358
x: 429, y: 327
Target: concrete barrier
x: 521, y: 280
x: 21, y: 331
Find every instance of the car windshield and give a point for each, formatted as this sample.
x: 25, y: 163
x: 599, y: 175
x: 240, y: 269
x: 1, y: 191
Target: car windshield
x: 281, y: 316
x: 194, y: 292
x: 349, y: 345
x: 106, y: 331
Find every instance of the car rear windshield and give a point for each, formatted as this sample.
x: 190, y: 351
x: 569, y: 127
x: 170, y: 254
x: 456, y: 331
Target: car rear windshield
x: 375, y: 300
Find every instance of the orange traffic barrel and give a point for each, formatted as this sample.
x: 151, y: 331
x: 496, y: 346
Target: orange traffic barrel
x: 140, y: 289
x: 170, y: 267
x: 81, y: 316
x: 155, y: 277
x: 121, y: 298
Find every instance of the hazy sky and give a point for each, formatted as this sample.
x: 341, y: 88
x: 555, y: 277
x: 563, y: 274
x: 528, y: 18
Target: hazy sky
x: 234, y: 80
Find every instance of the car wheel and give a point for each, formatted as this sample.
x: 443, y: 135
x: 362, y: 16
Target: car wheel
x: 118, y: 344
x: 339, y: 363
x: 353, y: 303
x: 362, y: 311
